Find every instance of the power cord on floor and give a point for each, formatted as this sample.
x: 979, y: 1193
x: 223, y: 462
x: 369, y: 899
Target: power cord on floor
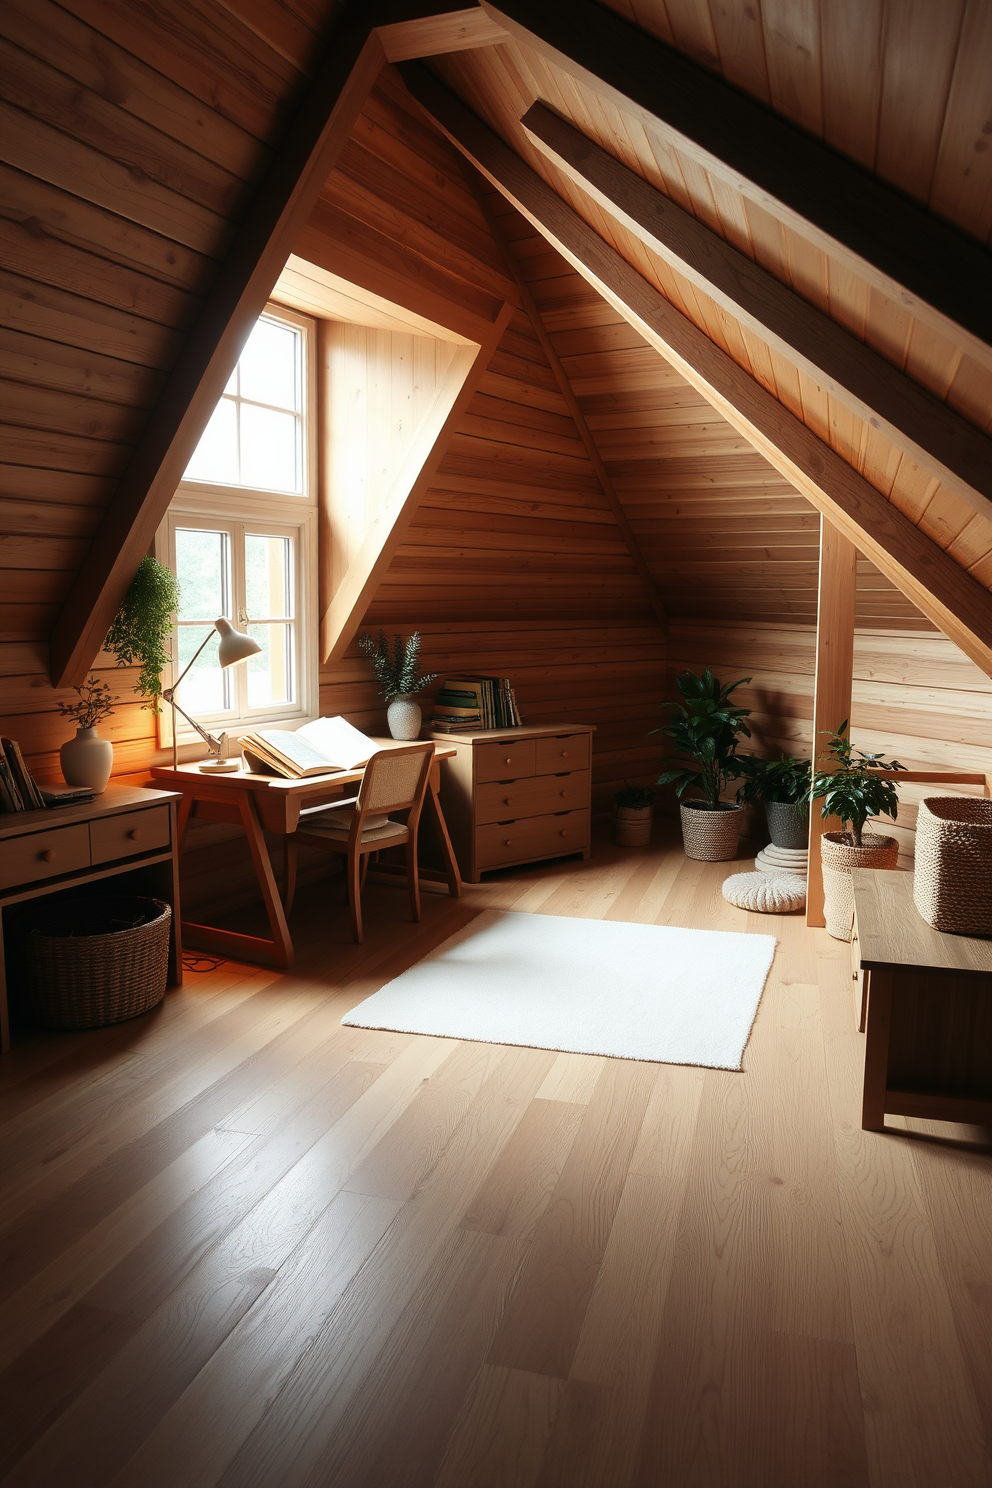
x: 201, y: 963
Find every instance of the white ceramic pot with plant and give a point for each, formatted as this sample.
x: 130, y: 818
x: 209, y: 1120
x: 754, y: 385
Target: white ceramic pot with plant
x: 397, y: 671
x: 632, y: 822
x: 854, y: 789
x: 87, y: 759
x: 706, y: 730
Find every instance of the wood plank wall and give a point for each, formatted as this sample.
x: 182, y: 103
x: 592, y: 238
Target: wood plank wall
x: 916, y: 697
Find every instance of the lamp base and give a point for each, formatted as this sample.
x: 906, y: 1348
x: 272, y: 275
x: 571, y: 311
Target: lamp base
x: 220, y: 766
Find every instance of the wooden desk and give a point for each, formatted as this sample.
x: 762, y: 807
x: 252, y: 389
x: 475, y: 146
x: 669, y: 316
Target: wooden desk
x: 261, y: 803
x: 126, y: 830
x: 928, y: 1030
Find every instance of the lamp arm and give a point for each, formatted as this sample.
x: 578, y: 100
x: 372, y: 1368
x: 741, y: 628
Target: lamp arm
x: 170, y: 690
x: 212, y: 743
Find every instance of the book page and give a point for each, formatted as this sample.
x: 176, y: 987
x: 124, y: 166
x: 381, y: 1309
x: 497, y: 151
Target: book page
x: 301, y: 755
x: 341, y: 744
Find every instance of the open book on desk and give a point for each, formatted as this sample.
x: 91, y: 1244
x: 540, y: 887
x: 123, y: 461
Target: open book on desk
x: 315, y: 749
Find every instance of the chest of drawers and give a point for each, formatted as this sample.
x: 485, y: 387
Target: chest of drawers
x: 517, y: 795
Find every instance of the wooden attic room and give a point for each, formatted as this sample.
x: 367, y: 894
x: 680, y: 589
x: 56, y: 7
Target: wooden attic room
x: 600, y: 345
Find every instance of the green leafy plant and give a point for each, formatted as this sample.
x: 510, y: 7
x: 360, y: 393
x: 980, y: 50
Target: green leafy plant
x: 635, y: 797
x: 94, y: 703
x: 397, y: 671
x: 853, y: 790
x: 705, y: 731
x: 786, y: 780
x: 144, y: 620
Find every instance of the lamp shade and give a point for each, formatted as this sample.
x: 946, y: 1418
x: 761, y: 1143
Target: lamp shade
x: 234, y: 645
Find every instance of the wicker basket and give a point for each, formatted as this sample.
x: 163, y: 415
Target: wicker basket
x: 632, y: 826
x: 952, y: 879
x: 838, y: 855
x: 89, y: 962
x: 710, y: 836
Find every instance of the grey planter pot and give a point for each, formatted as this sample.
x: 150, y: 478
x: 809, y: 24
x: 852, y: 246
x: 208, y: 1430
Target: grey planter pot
x: 788, y: 825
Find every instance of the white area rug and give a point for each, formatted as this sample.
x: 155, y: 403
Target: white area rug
x: 584, y: 987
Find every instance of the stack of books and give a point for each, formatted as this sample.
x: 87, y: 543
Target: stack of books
x: 19, y: 791
x: 467, y: 704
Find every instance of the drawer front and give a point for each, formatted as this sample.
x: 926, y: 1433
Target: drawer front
x: 44, y: 854
x: 563, y: 752
x: 534, y: 796
x: 504, y: 761
x: 132, y: 832
x: 534, y: 837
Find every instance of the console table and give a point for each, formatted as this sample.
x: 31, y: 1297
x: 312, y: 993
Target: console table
x: 928, y: 1022
x: 126, y: 830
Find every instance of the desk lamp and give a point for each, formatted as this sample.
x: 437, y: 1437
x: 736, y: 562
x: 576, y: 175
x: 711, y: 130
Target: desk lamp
x: 234, y: 647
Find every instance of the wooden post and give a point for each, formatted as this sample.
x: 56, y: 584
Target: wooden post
x: 832, y: 684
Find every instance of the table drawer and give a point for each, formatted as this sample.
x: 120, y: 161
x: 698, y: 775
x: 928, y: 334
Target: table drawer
x: 44, y: 854
x: 533, y: 837
x: 535, y: 795
x: 563, y: 752
x: 133, y: 832
x: 504, y: 761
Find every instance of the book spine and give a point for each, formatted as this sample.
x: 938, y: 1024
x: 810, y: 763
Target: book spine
x: 9, y: 798
x: 26, y: 788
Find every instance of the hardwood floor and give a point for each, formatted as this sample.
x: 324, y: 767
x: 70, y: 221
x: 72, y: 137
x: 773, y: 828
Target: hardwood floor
x: 244, y: 1246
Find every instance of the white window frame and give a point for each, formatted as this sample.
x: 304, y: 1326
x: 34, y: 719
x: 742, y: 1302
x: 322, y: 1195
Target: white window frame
x: 243, y: 510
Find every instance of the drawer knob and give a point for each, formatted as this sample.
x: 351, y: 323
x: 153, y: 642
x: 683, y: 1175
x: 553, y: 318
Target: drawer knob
x: 47, y: 856
x: 564, y: 754
x: 508, y: 842
x: 563, y: 832
x: 134, y: 833
x: 563, y: 793
x: 508, y: 760
x: 507, y: 801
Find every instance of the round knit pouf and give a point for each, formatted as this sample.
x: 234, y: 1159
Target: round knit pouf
x: 772, y: 859
x: 765, y: 892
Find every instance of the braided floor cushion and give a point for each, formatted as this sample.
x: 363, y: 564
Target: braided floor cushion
x: 768, y: 893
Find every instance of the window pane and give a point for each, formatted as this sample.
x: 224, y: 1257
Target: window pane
x: 268, y: 365
x: 268, y: 576
x: 269, y: 449
x: 206, y: 688
x: 216, y: 456
x: 202, y: 567
x: 270, y: 674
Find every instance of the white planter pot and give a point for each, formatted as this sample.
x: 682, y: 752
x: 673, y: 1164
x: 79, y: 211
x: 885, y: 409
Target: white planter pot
x: 404, y: 718
x: 632, y: 826
x: 87, y: 759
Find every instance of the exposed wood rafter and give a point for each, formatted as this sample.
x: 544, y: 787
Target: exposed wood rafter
x: 955, y: 601
x: 916, y: 421
x: 879, y: 233
x: 578, y: 418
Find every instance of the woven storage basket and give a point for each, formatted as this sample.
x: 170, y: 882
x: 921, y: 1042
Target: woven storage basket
x: 710, y: 836
x: 632, y: 826
x: 78, y: 979
x: 838, y: 856
x: 952, y: 879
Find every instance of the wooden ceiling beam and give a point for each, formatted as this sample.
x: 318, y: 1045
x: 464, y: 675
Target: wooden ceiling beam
x: 951, y: 597
x: 916, y: 421
x: 900, y: 247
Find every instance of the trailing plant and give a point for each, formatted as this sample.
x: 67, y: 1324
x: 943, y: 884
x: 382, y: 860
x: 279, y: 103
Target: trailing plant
x: 138, y: 634
x: 635, y: 797
x: 397, y: 671
x: 95, y: 703
x: 786, y: 780
x: 853, y: 789
x: 705, y: 731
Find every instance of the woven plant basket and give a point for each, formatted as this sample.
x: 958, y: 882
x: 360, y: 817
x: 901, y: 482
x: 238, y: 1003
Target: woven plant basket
x: 952, y: 879
x: 710, y: 836
x: 838, y: 856
x: 90, y: 962
x: 632, y: 826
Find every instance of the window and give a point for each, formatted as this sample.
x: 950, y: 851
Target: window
x: 240, y: 537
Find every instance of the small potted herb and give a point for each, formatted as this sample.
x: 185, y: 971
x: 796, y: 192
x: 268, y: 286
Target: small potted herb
x: 706, y: 730
x: 632, y: 822
x: 87, y: 759
x: 852, y: 790
x: 783, y: 785
x: 398, y: 674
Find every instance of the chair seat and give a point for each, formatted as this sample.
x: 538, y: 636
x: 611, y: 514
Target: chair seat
x: 336, y: 826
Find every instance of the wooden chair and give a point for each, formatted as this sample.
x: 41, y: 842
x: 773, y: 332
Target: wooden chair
x: 394, y: 780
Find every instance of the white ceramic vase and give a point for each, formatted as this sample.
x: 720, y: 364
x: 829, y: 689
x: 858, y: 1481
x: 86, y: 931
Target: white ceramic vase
x: 86, y: 760
x: 404, y: 717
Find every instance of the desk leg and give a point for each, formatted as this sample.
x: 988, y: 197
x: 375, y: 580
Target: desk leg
x: 279, y: 950
x: 877, y: 1028
x: 450, y: 861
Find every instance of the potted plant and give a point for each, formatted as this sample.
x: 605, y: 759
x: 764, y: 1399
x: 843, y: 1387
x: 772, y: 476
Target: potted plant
x: 142, y: 624
x: 706, y: 731
x: 398, y: 674
x: 87, y: 759
x: 783, y: 785
x: 853, y: 790
x: 632, y: 822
